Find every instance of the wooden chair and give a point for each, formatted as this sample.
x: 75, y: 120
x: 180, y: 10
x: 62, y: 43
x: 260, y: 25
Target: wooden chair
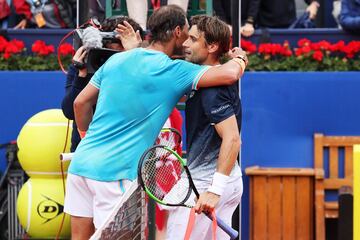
x: 332, y: 181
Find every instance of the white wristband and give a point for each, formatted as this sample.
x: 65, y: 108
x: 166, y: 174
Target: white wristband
x: 219, y: 183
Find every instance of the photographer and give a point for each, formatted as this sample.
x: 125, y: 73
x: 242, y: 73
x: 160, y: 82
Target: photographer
x: 78, y: 77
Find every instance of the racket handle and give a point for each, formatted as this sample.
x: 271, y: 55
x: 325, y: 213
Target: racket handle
x: 66, y: 156
x: 226, y: 228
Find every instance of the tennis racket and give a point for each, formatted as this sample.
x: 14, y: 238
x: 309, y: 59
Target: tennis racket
x: 169, y: 137
x: 160, y: 165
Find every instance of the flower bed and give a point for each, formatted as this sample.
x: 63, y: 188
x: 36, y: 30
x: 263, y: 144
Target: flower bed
x: 42, y: 57
x: 306, y: 56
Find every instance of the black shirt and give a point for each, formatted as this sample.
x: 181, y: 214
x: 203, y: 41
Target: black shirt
x: 205, y: 108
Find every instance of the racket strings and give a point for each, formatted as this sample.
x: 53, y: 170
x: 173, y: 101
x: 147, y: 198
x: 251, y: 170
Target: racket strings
x: 163, y: 176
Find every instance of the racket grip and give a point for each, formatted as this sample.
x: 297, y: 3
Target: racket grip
x: 66, y: 156
x: 233, y: 234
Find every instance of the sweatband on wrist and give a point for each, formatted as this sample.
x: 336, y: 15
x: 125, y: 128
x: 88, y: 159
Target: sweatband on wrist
x: 82, y: 133
x: 240, y: 63
x: 218, y: 184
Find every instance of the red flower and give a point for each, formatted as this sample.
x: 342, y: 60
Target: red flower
x: 248, y: 46
x: 303, y: 50
x: 322, y: 45
x: 13, y: 48
x: 265, y: 48
x: 19, y: 44
x: 306, y: 49
x: 304, y: 42
x: 351, y: 49
x: 348, y: 51
x: 275, y: 49
x: 318, y: 56
x: 354, y: 46
x: 262, y: 48
x: 37, y: 46
x: 46, y: 50
x: 287, y: 53
x: 337, y: 46
x: 6, y: 55
x: 3, y: 43
x: 298, y: 52
x: 66, y: 49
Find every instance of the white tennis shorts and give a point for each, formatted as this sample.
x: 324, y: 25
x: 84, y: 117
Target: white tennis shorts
x: 93, y: 199
x: 202, y: 230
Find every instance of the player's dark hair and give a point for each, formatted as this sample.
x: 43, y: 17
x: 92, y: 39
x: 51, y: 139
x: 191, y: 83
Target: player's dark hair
x: 111, y: 23
x: 163, y: 21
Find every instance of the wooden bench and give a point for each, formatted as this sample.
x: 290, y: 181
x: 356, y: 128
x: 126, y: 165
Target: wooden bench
x: 333, y: 180
x: 281, y: 203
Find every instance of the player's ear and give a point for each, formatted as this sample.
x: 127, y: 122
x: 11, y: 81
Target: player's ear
x: 177, y: 31
x: 213, y: 47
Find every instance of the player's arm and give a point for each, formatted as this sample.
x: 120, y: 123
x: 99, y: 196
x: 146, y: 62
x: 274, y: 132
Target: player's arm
x: 83, y: 106
x: 227, y: 73
x: 230, y: 145
x: 229, y: 150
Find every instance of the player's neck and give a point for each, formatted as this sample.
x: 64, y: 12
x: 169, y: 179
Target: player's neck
x: 166, y: 48
x: 211, y: 61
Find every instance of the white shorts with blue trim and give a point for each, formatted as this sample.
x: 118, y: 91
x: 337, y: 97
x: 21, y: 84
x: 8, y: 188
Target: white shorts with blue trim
x: 93, y: 199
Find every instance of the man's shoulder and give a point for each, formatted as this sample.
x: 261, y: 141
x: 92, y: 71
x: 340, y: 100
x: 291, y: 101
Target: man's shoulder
x: 131, y: 52
x: 189, y: 65
x: 219, y: 96
x: 216, y: 91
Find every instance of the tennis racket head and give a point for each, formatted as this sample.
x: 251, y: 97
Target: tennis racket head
x: 169, y: 137
x: 162, y: 175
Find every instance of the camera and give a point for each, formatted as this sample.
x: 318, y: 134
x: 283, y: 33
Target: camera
x: 92, y: 37
x: 94, y: 41
x: 97, y: 57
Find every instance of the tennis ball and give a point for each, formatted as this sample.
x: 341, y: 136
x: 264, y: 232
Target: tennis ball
x: 40, y: 208
x: 40, y: 142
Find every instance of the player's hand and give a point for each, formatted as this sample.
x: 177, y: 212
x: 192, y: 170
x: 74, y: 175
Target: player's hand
x: 207, y: 202
x: 79, y: 57
x: 247, y: 30
x: 312, y: 9
x: 128, y: 37
x: 236, y: 51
